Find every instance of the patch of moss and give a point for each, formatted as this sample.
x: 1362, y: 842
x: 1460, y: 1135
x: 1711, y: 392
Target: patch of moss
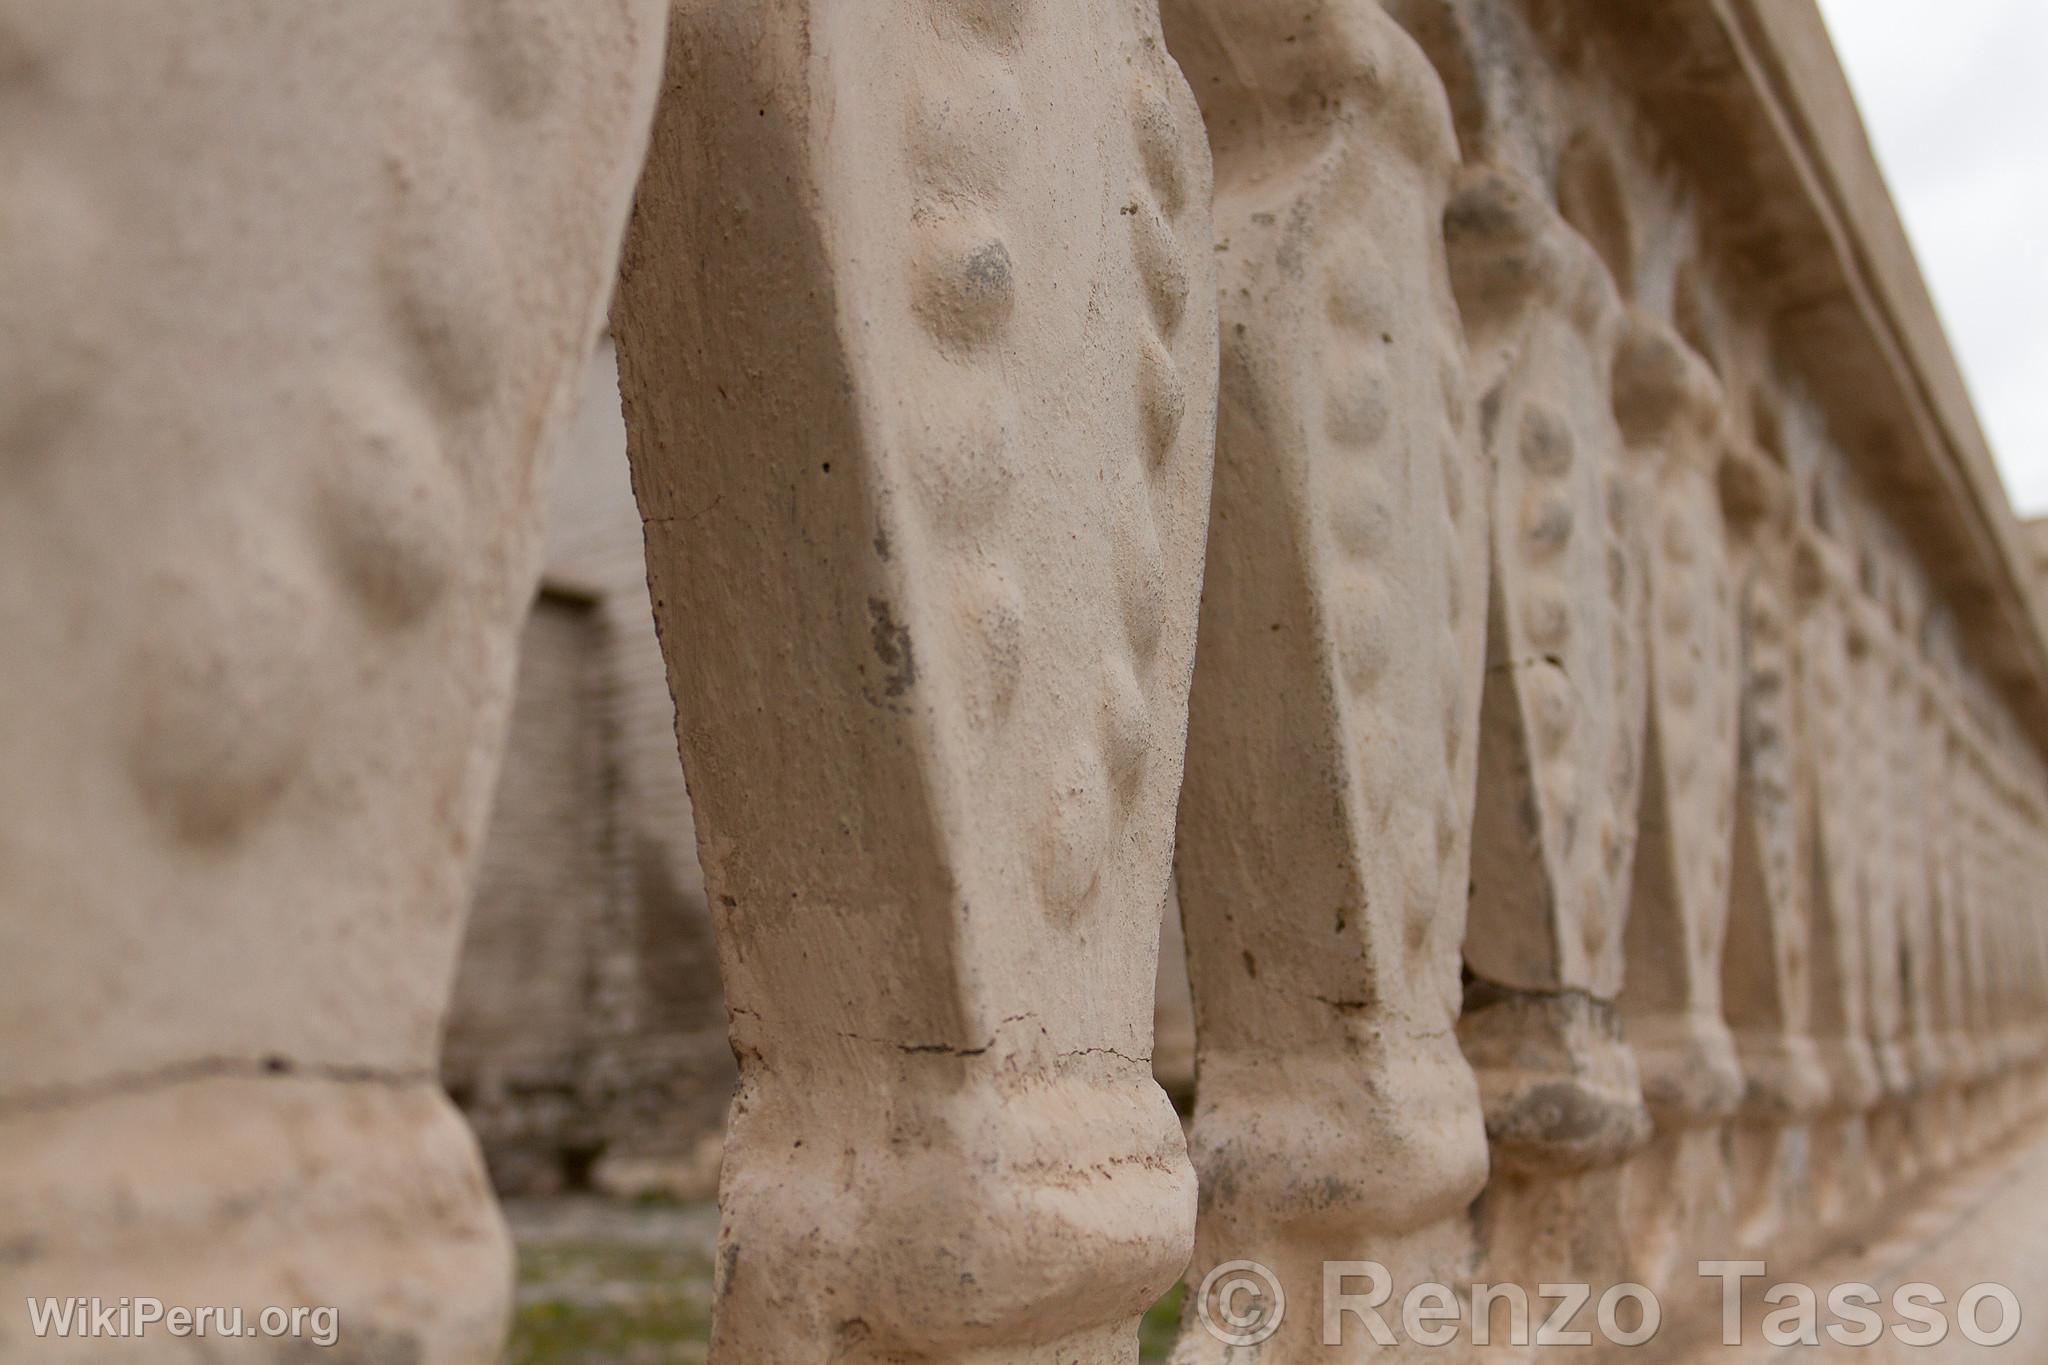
x: 558, y: 1332
x: 1160, y: 1326
x: 610, y: 1304
x: 605, y: 1303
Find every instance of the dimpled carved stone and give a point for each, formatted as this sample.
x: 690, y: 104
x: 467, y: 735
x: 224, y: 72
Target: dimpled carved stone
x: 1874, y: 750
x: 1841, y: 980
x: 1327, y: 816
x: 917, y: 342
x: 1561, y: 720
x: 1841, y: 983
x: 1910, y: 790
x: 1671, y: 413
x: 1944, y: 1131
x: 300, y: 293
x: 1766, y: 987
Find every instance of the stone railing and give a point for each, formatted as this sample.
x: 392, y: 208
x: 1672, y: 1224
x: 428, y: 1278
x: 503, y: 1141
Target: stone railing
x: 1606, y: 802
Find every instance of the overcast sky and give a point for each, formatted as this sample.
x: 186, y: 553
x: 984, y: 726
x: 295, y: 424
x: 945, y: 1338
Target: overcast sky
x: 1956, y: 98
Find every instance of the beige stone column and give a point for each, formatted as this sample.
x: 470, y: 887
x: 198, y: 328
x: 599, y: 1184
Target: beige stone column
x: 1673, y: 416
x: 1562, y: 715
x: 1561, y: 734
x: 1950, y: 983
x: 1841, y: 905
x: 1326, y: 822
x: 1875, y: 668
x: 2001, y: 1023
x: 1871, y: 810
x: 2015, y: 947
x: 1963, y: 889
x: 292, y: 298
x: 1919, y: 829
x: 1974, y: 896
x: 1671, y: 413
x: 917, y: 346
x: 2030, y: 876
x: 1766, y: 965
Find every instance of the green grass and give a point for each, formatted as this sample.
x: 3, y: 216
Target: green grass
x: 610, y: 1304
x: 560, y: 1332
x: 614, y: 1303
x: 1160, y: 1325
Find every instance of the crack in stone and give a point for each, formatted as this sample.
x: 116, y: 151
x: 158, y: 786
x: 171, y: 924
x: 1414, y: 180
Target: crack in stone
x: 47, y: 1099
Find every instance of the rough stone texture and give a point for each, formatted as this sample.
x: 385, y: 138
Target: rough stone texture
x: 1328, y: 805
x: 917, y: 343
x: 1562, y: 714
x: 294, y: 298
x: 1616, y: 807
x: 586, y: 1039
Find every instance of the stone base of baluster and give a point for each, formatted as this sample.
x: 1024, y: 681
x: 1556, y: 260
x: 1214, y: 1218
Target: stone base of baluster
x: 1559, y: 1087
x: 1895, y: 1074
x: 1369, y: 1151
x: 1329, y: 1143
x: 1783, y: 1078
x: 950, y: 1208
x: 364, y: 1196
x: 1854, y: 1081
x: 1690, y: 1076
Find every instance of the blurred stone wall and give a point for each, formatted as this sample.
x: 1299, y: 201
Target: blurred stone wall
x: 586, y: 1040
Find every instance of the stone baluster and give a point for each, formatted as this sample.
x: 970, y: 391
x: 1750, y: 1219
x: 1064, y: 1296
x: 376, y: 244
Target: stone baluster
x: 2001, y: 1026
x: 2030, y: 877
x: 2016, y: 914
x: 1561, y: 731
x: 1974, y: 901
x: 1767, y: 963
x: 917, y: 338
x: 1919, y: 827
x: 1949, y: 982
x: 294, y: 296
x: 1840, y: 966
x: 1563, y: 703
x: 1873, y: 751
x: 1672, y: 414
x: 1670, y: 409
x: 1875, y: 748
x: 1325, y: 825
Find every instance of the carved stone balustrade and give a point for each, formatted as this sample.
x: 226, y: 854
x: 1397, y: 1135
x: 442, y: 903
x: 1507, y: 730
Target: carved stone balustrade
x: 1472, y: 493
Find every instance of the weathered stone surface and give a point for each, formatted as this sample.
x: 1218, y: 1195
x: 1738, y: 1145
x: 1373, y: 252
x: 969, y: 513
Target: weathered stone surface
x: 1616, y: 804
x: 1327, y: 815
x: 1564, y: 707
x: 921, y: 425
x: 293, y: 301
